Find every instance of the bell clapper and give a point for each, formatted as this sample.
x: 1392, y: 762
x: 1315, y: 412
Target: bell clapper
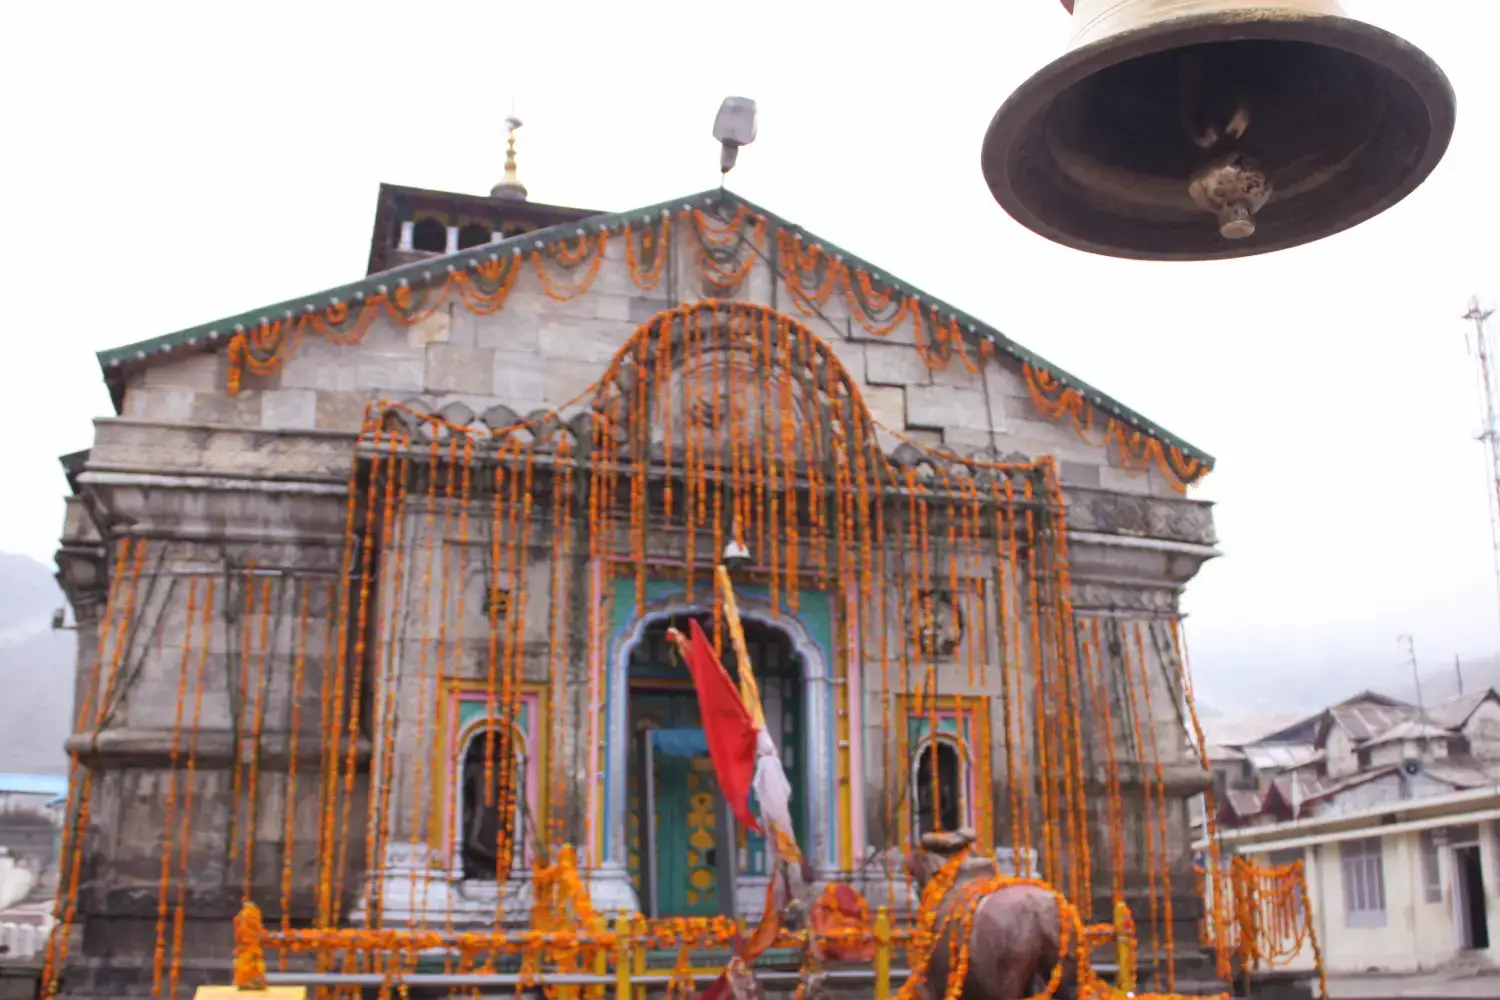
x: 1232, y: 187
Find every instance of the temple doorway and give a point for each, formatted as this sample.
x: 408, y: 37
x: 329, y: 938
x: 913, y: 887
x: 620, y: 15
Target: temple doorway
x: 687, y: 861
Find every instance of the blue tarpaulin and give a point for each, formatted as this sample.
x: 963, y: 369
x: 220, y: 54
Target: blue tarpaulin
x: 679, y: 742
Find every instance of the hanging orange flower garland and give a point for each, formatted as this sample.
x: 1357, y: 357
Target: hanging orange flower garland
x: 1137, y: 450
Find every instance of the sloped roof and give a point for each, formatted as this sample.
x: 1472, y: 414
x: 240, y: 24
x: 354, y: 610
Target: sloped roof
x: 1280, y: 756
x: 1455, y: 712
x: 1368, y: 714
x: 119, y: 361
x: 1460, y: 772
x: 1330, y: 788
x: 1305, y: 787
x: 1409, y: 729
x: 1237, y: 732
x: 1243, y: 803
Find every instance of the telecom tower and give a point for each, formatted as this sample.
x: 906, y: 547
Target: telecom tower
x: 1483, y: 349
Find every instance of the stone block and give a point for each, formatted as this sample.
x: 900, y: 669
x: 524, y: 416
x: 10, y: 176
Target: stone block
x: 321, y: 365
x: 564, y: 380
x: 887, y: 405
x: 957, y: 373
x: 430, y: 329
x: 1078, y: 473
x: 341, y: 411
x: 889, y: 441
x: 966, y: 441
x: 571, y: 339
x: 221, y: 408
x: 850, y: 354
x: 459, y: 369
x: 463, y: 326
x: 198, y: 372
x: 937, y: 407
x: 893, y: 364
x: 613, y: 307
x: 289, y: 409
x: 508, y: 331
x: 160, y: 404
x: 520, y: 380
x: 389, y: 373
x: 642, y: 309
x: 1126, y: 480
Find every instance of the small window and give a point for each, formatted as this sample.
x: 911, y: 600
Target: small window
x: 430, y: 236
x: 480, y: 834
x: 951, y: 810
x: 1364, y: 883
x: 1432, y: 872
x: 473, y: 236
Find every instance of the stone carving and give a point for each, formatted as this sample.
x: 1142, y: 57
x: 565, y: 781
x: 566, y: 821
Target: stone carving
x: 941, y: 626
x: 1112, y: 597
x: 1148, y: 517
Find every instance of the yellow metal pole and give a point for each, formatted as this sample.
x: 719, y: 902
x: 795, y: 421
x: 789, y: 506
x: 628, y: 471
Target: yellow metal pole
x: 601, y: 959
x: 749, y: 690
x: 882, y: 954
x: 1124, y: 948
x: 622, y: 958
x: 638, y: 956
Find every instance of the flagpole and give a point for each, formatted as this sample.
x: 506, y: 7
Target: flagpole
x: 749, y: 691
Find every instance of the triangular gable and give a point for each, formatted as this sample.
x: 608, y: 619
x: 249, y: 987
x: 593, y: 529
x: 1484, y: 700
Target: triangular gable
x: 1066, y: 396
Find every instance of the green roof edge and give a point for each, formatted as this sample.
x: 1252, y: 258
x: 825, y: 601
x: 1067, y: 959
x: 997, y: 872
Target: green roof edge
x: 221, y: 330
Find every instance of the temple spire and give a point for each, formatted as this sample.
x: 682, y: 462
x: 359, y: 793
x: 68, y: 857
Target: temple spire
x: 511, y: 187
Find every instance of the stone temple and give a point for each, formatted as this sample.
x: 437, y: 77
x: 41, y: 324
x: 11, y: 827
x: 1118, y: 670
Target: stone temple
x: 371, y: 588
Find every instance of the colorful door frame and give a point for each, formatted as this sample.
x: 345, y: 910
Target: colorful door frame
x: 964, y: 722
x: 811, y: 631
x: 463, y: 712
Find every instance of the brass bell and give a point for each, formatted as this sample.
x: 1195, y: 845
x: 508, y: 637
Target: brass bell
x: 1207, y: 129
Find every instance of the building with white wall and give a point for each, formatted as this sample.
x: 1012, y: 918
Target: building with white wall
x: 1407, y: 885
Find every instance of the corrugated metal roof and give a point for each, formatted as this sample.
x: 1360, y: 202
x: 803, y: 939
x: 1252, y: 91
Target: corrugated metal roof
x: 1281, y: 756
x: 1454, y: 712
x: 33, y: 784
x: 1244, y: 803
x: 1411, y: 729
x: 1364, y: 718
x: 1458, y: 773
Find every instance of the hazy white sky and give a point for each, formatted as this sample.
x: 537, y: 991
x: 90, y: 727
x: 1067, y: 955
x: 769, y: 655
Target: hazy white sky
x: 172, y: 164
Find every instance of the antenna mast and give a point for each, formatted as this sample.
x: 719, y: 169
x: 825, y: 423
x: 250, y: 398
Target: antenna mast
x: 1484, y: 354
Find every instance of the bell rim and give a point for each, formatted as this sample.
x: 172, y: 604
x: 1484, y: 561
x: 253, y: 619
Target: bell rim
x: 1035, y: 95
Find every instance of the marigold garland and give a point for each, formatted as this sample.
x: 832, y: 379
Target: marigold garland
x: 727, y: 251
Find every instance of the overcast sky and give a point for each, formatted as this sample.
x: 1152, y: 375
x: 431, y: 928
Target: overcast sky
x: 172, y: 164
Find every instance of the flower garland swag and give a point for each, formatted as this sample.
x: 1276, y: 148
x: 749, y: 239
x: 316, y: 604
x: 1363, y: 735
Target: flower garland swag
x: 952, y: 929
x: 771, y: 432
x: 726, y: 252
x: 1269, y: 920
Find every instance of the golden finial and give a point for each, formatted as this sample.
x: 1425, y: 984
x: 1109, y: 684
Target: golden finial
x: 511, y: 187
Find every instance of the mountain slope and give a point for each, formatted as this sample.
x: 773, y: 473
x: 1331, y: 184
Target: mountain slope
x: 36, y: 670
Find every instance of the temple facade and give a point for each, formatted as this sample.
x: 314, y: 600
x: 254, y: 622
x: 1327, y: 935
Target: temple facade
x: 372, y: 587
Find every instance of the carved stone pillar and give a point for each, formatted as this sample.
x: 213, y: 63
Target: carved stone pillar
x: 214, y: 503
x: 1130, y: 558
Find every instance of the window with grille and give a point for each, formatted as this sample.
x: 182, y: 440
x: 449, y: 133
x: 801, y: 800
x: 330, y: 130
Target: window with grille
x: 1432, y: 872
x: 1364, y: 883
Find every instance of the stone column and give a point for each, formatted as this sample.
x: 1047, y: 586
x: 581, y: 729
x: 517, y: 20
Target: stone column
x: 211, y: 509
x: 1130, y: 558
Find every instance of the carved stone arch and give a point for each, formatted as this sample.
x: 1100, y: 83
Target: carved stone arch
x: 696, y: 370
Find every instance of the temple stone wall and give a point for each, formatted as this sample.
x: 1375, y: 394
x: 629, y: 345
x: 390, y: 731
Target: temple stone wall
x: 214, y: 480
x: 537, y: 353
